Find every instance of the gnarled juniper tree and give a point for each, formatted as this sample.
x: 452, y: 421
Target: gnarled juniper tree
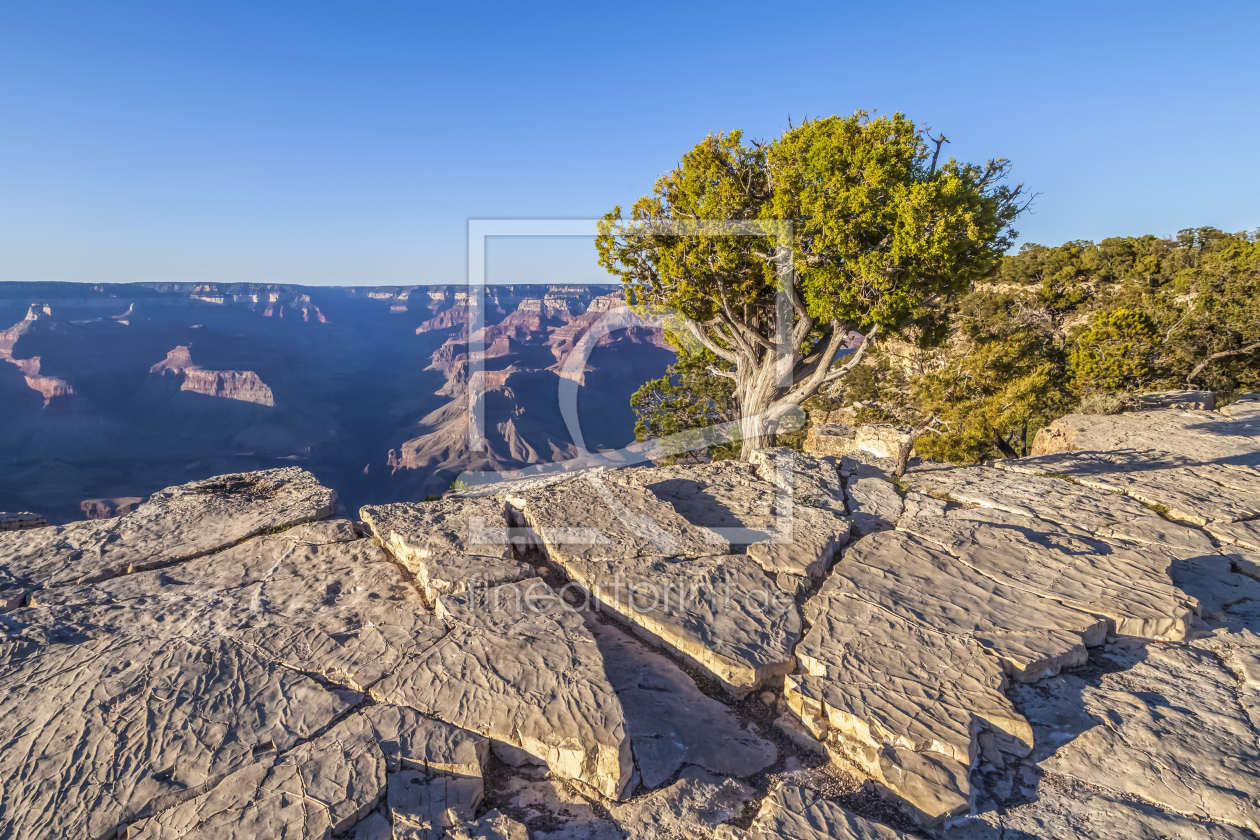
x: 878, y: 230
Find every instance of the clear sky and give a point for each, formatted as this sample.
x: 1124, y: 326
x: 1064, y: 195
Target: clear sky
x: 348, y: 143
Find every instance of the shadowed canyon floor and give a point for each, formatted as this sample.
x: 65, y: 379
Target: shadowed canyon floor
x: 1063, y: 646
x: 110, y: 392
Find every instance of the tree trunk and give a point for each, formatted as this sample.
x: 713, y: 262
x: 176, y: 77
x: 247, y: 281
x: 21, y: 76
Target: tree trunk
x: 757, y: 426
x: 1005, y: 448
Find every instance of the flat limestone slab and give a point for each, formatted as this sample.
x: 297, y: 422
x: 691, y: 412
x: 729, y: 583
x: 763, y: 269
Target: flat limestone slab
x: 722, y: 613
x: 1084, y: 815
x: 1245, y: 534
x: 1246, y: 563
x: 449, y: 543
x: 1204, y: 436
x: 811, y: 481
x: 1131, y: 589
x: 609, y: 516
x: 870, y: 680
x: 526, y: 674
x: 175, y: 524
x: 1212, y: 582
x: 874, y: 502
x: 926, y: 785
x: 1198, y: 493
x: 420, y: 530
x: 98, y: 731
x: 1033, y: 637
x: 818, y: 535
x: 672, y: 723
x: 729, y: 498
x: 454, y: 573
x: 315, y: 598
x: 327, y: 784
x: 1245, y: 409
x: 1052, y: 499
x: 819, y: 521
x: 1170, y: 730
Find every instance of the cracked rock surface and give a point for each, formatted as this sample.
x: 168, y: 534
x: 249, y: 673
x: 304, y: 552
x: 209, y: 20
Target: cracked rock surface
x: 175, y: 524
x: 1063, y: 646
x: 652, y: 545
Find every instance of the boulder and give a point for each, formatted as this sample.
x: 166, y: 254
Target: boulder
x: 830, y: 439
x: 883, y: 440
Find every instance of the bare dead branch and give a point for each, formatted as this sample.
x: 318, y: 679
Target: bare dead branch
x: 1224, y: 354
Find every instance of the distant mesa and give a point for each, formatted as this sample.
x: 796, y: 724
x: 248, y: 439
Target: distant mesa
x: 244, y: 385
x: 109, y: 508
x: 48, y: 386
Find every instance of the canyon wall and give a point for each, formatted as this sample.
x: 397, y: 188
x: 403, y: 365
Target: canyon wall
x: 121, y: 389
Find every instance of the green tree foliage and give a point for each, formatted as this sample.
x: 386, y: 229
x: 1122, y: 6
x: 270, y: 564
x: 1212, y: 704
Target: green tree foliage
x: 1007, y: 375
x: 1059, y: 325
x: 878, y: 230
x: 683, y: 403
x: 1117, y: 352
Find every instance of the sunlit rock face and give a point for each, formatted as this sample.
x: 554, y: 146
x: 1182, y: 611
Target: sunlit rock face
x: 241, y: 385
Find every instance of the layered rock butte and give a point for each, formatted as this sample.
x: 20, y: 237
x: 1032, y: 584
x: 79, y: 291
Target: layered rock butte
x: 1062, y: 646
x: 112, y: 391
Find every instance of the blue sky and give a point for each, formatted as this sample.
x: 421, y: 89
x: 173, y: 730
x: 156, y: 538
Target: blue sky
x: 349, y: 143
